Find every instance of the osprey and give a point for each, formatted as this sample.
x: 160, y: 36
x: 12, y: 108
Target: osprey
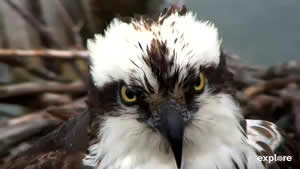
x: 160, y: 97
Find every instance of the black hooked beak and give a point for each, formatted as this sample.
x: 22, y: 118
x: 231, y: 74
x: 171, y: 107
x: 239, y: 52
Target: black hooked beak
x: 171, y: 125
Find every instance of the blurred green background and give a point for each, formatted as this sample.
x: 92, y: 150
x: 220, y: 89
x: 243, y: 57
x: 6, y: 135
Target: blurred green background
x: 263, y: 32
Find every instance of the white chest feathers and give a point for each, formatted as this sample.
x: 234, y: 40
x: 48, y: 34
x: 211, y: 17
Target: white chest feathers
x: 145, y: 149
x: 220, y: 157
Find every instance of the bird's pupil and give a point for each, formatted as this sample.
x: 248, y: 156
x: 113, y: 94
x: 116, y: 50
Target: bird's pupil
x: 198, y: 81
x: 130, y: 94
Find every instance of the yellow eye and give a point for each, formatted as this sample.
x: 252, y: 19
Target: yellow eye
x: 127, y: 95
x: 200, y: 84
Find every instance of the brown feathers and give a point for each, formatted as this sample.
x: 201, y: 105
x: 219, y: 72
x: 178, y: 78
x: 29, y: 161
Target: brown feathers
x: 62, y: 149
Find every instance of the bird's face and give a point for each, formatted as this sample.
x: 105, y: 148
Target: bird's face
x: 160, y: 84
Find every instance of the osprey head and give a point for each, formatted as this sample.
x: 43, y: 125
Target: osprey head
x: 159, y: 88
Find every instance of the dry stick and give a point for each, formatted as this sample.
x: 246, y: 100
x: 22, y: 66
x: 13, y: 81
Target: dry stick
x: 39, y: 72
x: 264, y: 104
x: 282, y: 70
x: 253, y: 91
x: 49, y: 112
x: 17, y: 150
x: 41, y: 87
x: 11, y: 55
x: 296, y: 110
x: 23, y: 128
x: 67, y: 111
x: 50, y: 53
x: 247, y: 67
x: 36, y: 24
x: 44, y: 31
x: 43, y: 73
x: 47, y: 99
x: 75, y: 29
x: 292, y: 95
x: 16, y: 61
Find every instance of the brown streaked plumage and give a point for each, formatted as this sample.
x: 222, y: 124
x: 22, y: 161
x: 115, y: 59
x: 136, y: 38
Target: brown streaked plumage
x: 62, y: 149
